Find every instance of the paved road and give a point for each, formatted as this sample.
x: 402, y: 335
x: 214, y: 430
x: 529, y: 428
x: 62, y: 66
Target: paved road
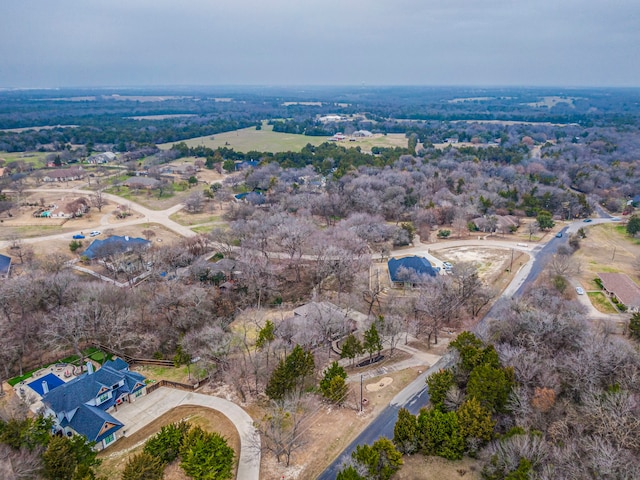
x: 415, y: 395
x: 146, y: 409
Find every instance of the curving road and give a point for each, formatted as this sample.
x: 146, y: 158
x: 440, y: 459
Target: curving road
x: 415, y: 395
x: 146, y: 409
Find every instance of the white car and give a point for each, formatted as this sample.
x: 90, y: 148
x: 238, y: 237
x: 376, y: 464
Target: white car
x: 447, y: 264
x: 580, y: 290
x: 95, y: 233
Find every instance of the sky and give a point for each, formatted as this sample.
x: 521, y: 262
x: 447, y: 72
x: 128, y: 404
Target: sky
x: 120, y: 43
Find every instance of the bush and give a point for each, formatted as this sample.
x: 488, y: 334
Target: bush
x: 444, y: 233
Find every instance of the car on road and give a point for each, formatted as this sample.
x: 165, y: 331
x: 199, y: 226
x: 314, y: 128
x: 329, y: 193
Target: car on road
x: 587, y: 220
x: 95, y: 233
x: 559, y: 235
x: 78, y: 237
x: 580, y: 290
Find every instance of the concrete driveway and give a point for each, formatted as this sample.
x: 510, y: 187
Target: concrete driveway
x: 146, y: 409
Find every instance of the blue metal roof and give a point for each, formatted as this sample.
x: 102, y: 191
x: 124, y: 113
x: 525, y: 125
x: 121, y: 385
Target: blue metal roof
x: 82, y: 389
x: 113, y: 244
x: 420, y: 265
x: 5, y: 264
x: 89, y: 421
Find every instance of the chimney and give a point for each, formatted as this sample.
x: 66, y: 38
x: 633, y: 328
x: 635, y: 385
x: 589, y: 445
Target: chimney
x: 45, y: 387
x: 89, y: 368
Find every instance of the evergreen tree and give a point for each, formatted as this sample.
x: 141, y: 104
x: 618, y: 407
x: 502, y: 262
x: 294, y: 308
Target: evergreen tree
x: 490, y: 386
x: 351, y: 348
x: 439, y: 384
x: 476, y: 425
x: 633, y: 225
x: 333, y: 385
x: 206, y: 455
x: 405, y: 432
x: 143, y: 467
x: 439, y: 434
x: 290, y: 374
x: 634, y: 326
x: 381, y: 459
x: 372, y: 340
x: 471, y: 350
x: 166, y: 444
x: 349, y: 473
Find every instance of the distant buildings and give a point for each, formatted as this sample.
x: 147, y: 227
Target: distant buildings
x: 63, y: 175
x: 101, y: 158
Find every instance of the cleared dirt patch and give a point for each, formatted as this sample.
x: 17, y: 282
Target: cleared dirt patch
x: 436, y: 468
x: 607, y: 248
x: 115, y: 458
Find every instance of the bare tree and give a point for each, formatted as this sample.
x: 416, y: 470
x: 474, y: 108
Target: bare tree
x: 282, y: 428
x: 98, y: 200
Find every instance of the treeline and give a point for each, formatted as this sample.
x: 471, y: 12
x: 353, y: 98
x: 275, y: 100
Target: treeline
x: 121, y: 133
x: 549, y: 397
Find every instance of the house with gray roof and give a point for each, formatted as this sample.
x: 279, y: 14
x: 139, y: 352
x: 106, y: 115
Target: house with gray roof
x: 82, y: 405
x: 620, y: 286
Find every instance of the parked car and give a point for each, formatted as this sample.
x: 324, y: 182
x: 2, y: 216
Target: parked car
x: 95, y: 233
x: 580, y: 290
x: 587, y: 220
x: 559, y: 235
x: 78, y: 237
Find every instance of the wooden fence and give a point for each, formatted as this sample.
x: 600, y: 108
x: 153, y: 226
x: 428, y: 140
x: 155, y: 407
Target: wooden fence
x: 178, y: 385
x: 134, y: 360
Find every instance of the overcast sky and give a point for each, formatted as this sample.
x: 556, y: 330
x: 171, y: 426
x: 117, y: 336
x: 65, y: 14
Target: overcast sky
x: 60, y: 43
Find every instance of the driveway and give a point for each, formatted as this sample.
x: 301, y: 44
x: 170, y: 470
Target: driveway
x: 146, y: 409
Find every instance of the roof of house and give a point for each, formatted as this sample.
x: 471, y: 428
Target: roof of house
x: 622, y: 287
x: 64, y: 173
x: 5, y: 264
x: 93, y: 423
x: 420, y: 265
x: 113, y: 245
x: 144, y: 181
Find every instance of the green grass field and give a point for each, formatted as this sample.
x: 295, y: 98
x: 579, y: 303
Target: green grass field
x: 601, y: 302
x: 36, y: 158
x: 266, y: 140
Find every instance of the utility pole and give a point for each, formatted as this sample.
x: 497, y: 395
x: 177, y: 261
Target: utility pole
x: 511, y: 266
x: 614, y: 254
x: 361, y: 377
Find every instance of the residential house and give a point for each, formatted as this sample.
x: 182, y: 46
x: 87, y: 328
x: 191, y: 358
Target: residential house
x: 82, y: 405
x: 75, y: 208
x: 5, y: 266
x: 621, y: 287
x: 141, y: 182
x: 63, y: 175
x: 246, y: 164
x: 362, y: 133
x: 100, y: 158
x: 409, y: 270
x: 496, y: 223
x: 114, y: 245
x: 334, y: 321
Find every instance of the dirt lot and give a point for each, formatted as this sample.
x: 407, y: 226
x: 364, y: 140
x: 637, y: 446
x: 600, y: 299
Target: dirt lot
x: 607, y: 249
x: 436, y: 468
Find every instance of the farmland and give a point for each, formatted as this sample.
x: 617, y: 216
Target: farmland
x: 266, y: 140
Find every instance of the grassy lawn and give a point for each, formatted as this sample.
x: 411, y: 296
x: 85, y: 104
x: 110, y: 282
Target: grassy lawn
x: 35, y: 158
x: 266, y: 140
x: 187, y: 219
x: 91, y: 352
x: 29, y: 231
x: 156, y: 373
x: 202, y: 229
x: 601, y: 302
